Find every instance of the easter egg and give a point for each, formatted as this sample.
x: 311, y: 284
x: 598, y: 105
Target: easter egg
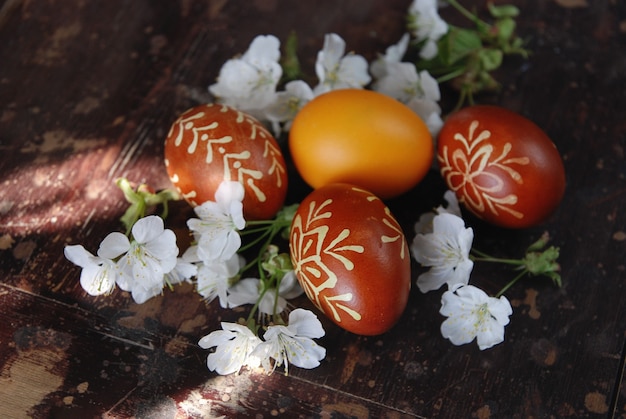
x: 501, y: 166
x: 212, y: 143
x: 351, y: 258
x: 360, y: 137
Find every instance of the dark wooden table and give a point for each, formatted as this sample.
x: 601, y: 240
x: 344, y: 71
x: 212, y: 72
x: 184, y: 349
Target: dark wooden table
x: 88, y: 90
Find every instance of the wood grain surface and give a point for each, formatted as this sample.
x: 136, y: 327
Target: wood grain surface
x: 88, y: 90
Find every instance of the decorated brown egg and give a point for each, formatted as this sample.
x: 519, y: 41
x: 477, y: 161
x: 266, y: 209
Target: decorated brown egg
x: 351, y: 258
x: 501, y: 166
x: 212, y: 143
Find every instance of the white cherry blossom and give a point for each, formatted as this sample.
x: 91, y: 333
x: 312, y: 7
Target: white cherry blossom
x: 446, y: 252
x: 149, y: 257
x: 248, y: 83
x: 335, y: 70
x: 292, y: 343
x: 473, y: 314
x: 287, y: 104
x: 427, y: 26
x: 214, y: 278
x: 216, y: 229
x: 233, y: 348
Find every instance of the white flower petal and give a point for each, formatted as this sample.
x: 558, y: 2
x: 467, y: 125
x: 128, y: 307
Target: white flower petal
x: 289, y: 286
x: 113, y: 245
x: 245, y: 291
x: 78, y: 255
x: 263, y: 48
x: 141, y: 295
x: 304, y: 352
x: 163, y: 248
x: 304, y: 323
x: 490, y: 335
x: 227, y: 192
x: 458, y: 330
x: 98, y: 279
x: 147, y: 228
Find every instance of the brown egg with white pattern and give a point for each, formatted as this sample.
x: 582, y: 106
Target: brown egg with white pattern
x: 351, y: 257
x: 212, y: 143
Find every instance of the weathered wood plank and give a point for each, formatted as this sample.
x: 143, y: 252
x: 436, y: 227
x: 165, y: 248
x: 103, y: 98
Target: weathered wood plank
x: 87, y: 94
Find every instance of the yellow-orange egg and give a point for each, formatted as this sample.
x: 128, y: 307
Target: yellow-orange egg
x: 363, y: 138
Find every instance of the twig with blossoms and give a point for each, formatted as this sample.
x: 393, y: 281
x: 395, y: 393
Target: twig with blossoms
x: 466, y: 57
x: 335, y: 69
x: 146, y: 259
x: 141, y: 261
x: 444, y: 244
x: 265, y: 335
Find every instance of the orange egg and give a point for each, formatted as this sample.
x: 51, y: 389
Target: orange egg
x: 363, y: 138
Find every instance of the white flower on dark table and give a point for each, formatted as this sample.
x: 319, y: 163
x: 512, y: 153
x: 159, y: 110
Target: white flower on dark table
x: 446, y: 251
x: 472, y: 314
x: 148, y: 257
x: 292, y: 343
x: 233, y: 347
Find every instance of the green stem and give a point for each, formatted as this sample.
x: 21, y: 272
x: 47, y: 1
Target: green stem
x: 451, y: 75
x: 255, y: 307
x: 469, y: 15
x: 246, y: 231
x: 260, y: 223
x: 510, y: 284
x: 254, y: 242
x: 478, y: 256
x: 515, y: 262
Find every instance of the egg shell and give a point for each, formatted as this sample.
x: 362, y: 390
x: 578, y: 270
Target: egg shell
x: 211, y: 143
x: 363, y: 138
x: 501, y: 165
x: 351, y: 257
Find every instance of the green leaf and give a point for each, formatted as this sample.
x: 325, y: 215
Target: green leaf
x: 540, y: 244
x: 505, y: 29
x: 504, y: 10
x: 457, y: 44
x: 490, y: 58
x: 544, y: 263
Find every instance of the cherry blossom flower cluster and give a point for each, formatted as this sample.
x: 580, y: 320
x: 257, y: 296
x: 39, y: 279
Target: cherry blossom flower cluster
x: 444, y: 244
x: 141, y: 264
x: 250, y: 82
x: 147, y: 260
